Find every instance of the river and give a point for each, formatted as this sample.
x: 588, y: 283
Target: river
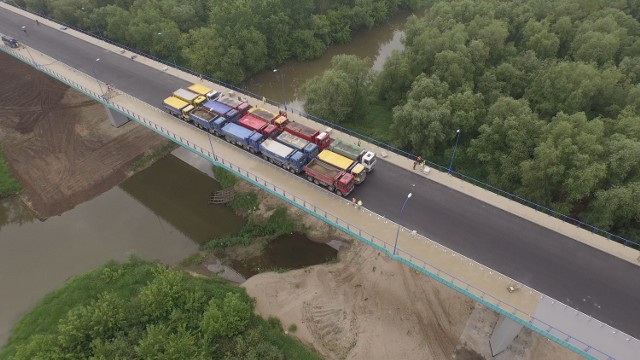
x: 376, y: 44
x: 159, y: 214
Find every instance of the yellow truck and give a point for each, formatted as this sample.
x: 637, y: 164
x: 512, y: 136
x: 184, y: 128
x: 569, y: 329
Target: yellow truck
x: 192, y: 98
x: 199, y: 89
x: 352, y: 167
x: 178, y: 108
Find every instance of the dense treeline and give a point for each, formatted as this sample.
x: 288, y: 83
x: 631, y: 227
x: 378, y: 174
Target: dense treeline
x: 227, y: 39
x: 141, y: 310
x: 545, y: 94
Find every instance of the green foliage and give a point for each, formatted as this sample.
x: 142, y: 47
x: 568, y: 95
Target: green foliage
x: 278, y: 223
x: 341, y: 93
x: 8, y: 185
x: 245, y: 202
x: 156, y: 154
x: 195, y: 259
x: 293, y: 328
x: 226, y: 178
x: 228, y: 39
x: 88, y: 318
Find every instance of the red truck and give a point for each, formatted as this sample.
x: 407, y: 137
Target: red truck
x: 321, y: 139
x: 251, y: 122
x: 334, y: 179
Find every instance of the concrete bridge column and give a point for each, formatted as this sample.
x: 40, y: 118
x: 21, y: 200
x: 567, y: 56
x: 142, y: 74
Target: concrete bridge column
x: 116, y: 118
x: 503, y: 334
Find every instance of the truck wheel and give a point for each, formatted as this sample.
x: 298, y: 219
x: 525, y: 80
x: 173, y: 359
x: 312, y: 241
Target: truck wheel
x: 339, y: 193
x: 265, y: 157
x: 310, y: 178
x: 315, y: 181
x: 331, y: 188
x: 292, y: 170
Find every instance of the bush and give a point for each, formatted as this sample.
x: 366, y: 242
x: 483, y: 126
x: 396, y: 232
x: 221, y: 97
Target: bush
x: 245, y: 202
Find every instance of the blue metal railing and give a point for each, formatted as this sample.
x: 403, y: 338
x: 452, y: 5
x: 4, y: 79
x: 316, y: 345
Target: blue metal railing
x: 627, y: 242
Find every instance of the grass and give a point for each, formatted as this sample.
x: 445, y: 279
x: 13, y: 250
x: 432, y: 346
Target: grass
x: 153, y: 156
x: 195, y: 259
x: 293, y: 328
x: 8, y: 184
x: 244, y: 202
x: 278, y: 223
x: 224, y: 177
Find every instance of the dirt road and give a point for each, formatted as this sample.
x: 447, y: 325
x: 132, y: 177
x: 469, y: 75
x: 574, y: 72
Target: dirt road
x: 59, y: 143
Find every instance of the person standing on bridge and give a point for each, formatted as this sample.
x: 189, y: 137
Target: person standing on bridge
x: 417, y: 161
x: 24, y: 28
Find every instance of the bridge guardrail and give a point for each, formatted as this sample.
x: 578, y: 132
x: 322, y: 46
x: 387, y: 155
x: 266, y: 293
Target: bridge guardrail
x: 539, y: 326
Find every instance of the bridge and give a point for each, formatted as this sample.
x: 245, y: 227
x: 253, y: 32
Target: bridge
x: 565, y: 283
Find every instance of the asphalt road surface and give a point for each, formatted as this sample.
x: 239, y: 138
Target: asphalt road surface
x: 587, y: 279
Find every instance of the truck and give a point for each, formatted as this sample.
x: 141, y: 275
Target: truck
x: 241, y: 105
x: 203, y: 119
x: 344, y: 163
x: 253, y: 123
x: 199, y: 89
x: 188, y: 96
x: 239, y: 136
x: 279, y: 119
x: 282, y: 155
x: 334, y: 179
x: 178, y: 108
x: 309, y: 149
x: 321, y: 139
x: 220, y: 109
x: 354, y: 152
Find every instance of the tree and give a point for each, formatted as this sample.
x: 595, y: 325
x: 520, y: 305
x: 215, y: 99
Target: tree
x: 340, y: 94
x: 505, y: 141
x: 567, y: 166
x: 394, y: 80
x: 617, y: 209
x: 163, y: 294
x: 538, y: 38
x: 228, y: 319
x: 420, y: 126
x: 163, y: 343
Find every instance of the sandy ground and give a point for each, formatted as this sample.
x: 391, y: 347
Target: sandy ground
x: 365, y: 306
x: 59, y: 143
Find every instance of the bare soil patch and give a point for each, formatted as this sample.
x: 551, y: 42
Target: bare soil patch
x: 365, y: 306
x: 59, y: 143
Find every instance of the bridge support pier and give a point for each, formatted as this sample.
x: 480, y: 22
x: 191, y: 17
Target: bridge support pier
x: 116, y: 118
x: 503, y: 334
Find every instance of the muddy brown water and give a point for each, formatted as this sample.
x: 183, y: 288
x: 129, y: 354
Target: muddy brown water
x: 291, y: 251
x: 376, y: 44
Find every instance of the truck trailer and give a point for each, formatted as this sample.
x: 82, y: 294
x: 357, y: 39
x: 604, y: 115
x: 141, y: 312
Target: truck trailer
x: 223, y: 110
x: 321, y: 139
x: 178, y: 108
x: 250, y: 122
x: 282, y: 155
x: 188, y: 96
x: 354, y: 152
x: 199, y: 89
x: 344, y: 163
x: 300, y: 144
x: 203, y: 119
x: 279, y: 120
x: 240, y: 105
x: 245, y: 138
x: 336, y: 180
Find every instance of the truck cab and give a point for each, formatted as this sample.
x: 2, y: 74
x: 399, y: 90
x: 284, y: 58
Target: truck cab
x: 190, y: 97
x: 369, y: 160
x: 346, y: 184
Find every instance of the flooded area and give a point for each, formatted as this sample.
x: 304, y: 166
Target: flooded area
x: 159, y: 214
x: 287, y: 252
x: 376, y: 44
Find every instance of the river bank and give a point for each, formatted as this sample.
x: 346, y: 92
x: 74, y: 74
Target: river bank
x: 59, y: 144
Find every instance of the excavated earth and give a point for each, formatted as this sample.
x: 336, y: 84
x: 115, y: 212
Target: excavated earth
x: 59, y: 143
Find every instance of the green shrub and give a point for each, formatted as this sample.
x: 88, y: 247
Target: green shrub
x: 245, y: 202
x: 8, y: 185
